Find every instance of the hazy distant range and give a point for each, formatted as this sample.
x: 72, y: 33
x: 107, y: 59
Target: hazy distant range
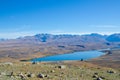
x: 48, y: 44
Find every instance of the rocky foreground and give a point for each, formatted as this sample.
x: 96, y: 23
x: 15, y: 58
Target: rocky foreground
x: 56, y: 71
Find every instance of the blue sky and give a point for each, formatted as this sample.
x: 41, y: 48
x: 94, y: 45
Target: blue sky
x: 29, y: 17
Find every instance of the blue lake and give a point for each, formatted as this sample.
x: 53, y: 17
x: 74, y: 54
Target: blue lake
x: 85, y: 55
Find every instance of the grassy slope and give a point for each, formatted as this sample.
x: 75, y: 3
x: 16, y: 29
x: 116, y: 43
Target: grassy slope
x: 77, y: 71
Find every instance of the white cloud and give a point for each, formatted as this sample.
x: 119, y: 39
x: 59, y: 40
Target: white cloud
x: 15, y: 34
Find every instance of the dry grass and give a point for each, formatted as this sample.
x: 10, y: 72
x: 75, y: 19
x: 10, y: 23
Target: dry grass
x: 111, y: 60
x: 73, y: 70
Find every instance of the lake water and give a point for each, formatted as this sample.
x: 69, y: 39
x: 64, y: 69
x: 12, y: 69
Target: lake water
x: 85, y: 55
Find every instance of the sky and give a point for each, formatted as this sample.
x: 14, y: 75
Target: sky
x: 30, y: 17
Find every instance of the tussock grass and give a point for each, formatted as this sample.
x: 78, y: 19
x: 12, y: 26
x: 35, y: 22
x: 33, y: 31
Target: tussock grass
x: 74, y: 72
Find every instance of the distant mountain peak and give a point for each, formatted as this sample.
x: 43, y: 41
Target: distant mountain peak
x: 114, y: 37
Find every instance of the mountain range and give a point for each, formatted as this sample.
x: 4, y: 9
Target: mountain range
x: 48, y: 44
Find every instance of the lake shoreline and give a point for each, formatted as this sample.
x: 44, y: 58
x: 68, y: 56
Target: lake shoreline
x: 103, y: 51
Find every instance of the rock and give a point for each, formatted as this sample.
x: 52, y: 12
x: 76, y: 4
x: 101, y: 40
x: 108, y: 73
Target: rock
x: 21, y: 76
x: 62, y: 67
x: 99, y: 78
x: 111, y: 71
x: 41, y: 76
x: 3, y: 73
x: 46, y: 75
x: 96, y: 73
x: 102, y: 77
x: 52, y: 71
x: 31, y: 75
x: 95, y: 76
x: 34, y: 62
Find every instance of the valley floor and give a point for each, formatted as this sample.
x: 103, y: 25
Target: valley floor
x: 111, y: 60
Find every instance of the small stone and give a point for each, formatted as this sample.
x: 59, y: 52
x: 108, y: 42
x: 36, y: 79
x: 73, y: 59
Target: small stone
x: 31, y: 75
x: 95, y: 76
x: 99, y: 78
x: 35, y: 62
x: 96, y: 73
x: 62, y: 67
x: 41, y: 76
x: 110, y: 71
x: 102, y: 77
x: 22, y: 76
x: 52, y: 71
x: 46, y: 75
x: 3, y: 73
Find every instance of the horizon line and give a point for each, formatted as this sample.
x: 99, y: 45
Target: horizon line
x: 32, y: 34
